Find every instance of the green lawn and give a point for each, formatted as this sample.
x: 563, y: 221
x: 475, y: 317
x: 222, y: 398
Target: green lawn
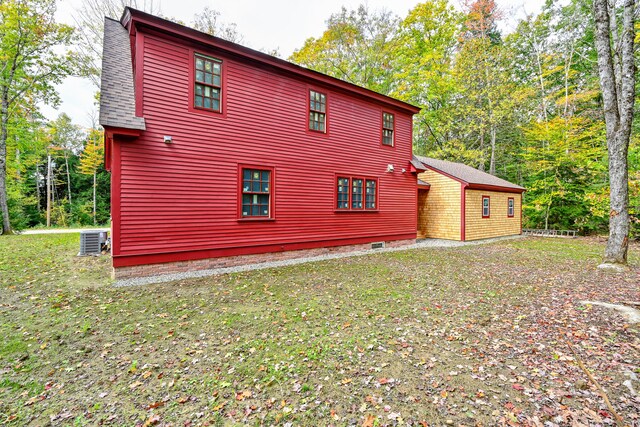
x: 477, y: 335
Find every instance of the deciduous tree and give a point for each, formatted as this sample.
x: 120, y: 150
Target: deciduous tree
x: 422, y: 64
x: 66, y: 137
x: 617, y: 81
x: 89, y: 19
x: 209, y: 21
x: 357, y: 46
x: 91, y: 160
x: 29, y: 67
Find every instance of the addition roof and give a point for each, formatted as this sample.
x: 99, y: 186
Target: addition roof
x: 474, y: 178
x: 117, y: 97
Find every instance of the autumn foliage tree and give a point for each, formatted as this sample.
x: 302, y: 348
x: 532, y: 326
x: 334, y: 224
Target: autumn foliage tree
x: 481, y: 22
x: 423, y: 60
x: 357, y: 46
x: 524, y: 105
x: 91, y: 160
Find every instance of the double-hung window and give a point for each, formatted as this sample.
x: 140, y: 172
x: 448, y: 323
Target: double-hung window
x: 387, y: 129
x: 370, y: 194
x: 317, y: 111
x: 256, y: 193
x: 208, y: 83
x: 486, y: 207
x: 510, y: 207
x: 356, y: 194
x: 343, y: 193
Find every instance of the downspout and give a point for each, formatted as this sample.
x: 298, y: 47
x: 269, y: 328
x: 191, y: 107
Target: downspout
x: 521, y: 194
x: 115, y: 195
x: 463, y: 211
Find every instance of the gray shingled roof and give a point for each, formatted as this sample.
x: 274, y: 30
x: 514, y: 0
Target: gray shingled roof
x: 117, y: 96
x: 417, y: 164
x: 467, y: 173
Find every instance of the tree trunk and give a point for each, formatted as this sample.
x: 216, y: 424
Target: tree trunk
x: 4, y: 203
x: 95, y: 185
x: 492, y: 163
x: 543, y: 97
x: 38, y: 186
x: 18, y: 166
x: 48, y: 190
x: 4, y: 206
x: 547, y: 213
x: 618, y: 99
x: 615, y: 42
x: 66, y: 163
x: 567, y: 69
x: 481, y: 165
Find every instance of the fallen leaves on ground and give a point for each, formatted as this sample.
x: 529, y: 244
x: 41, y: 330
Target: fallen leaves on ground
x: 467, y: 336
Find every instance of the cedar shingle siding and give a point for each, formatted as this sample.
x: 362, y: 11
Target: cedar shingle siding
x: 439, y: 207
x: 498, y: 224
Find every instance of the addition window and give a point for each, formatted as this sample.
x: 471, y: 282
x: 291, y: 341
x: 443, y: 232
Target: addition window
x: 387, y: 129
x: 317, y: 111
x: 356, y: 194
x: 208, y: 83
x: 486, y: 206
x: 510, y: 207
x: 256, y: 193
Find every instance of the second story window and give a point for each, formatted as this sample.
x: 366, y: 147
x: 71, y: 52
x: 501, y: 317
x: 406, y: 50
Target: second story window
x: 317, y: 111
x: 208, y: 83
x: 387, y: 129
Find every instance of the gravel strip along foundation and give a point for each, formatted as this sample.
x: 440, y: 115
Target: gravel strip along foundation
x: 426, y: 243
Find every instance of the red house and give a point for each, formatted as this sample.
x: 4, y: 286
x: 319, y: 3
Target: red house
x: 221, y: 155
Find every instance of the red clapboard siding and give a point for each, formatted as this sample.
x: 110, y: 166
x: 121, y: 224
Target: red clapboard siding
x: 181, y: 197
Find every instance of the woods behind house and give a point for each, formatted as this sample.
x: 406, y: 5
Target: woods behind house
x: 523, y: 104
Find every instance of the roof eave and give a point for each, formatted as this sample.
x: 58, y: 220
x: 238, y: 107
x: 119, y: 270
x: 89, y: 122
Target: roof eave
x: 140, y: 126
x: 134, y: 16
x: 415, y: 168
x: 498, y: 188
x: 416, y: 165
x: 477, y: 186
x: 125, y: 131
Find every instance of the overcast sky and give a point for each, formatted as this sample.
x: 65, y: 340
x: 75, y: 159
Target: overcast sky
x: 267, y: 25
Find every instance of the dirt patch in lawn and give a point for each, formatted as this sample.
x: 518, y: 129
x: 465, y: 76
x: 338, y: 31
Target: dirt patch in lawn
x: 476, y: 335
